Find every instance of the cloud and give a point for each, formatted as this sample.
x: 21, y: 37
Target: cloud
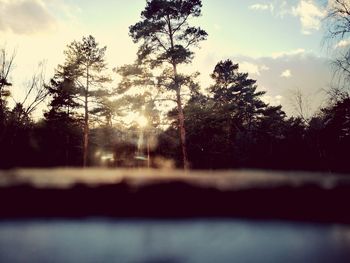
x: 310, y: 73
x: 272, y: 100
x: 308, y: 12
x: 278, y: 8
x: 342, y: 44
x: 262, y: 7
x: 310, y: 15
x: 251, y: 68
x: 286, y: 74
x: 25, y: 16
x: 295, y: 52
x: 314, y: 76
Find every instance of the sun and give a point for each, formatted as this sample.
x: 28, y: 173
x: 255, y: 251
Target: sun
x: 142, y: 121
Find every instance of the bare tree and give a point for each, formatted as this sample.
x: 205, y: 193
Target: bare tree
x: 300, y: 104
x: 337, y: 24
x: 6, y: 66
x: 336, y: 94
x: 36, y: 92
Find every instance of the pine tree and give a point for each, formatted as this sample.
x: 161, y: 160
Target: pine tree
x: 235, y: 119
x: 235, y: 94
x: 166, y: 41
x: 87, y: 63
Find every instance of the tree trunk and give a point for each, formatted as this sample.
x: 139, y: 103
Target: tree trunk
x: 181, y: 124
x: 181, y: 117
x: 182, y: 130
x: 148, y: 154
x: 86, y: 122
x: 67, y: 151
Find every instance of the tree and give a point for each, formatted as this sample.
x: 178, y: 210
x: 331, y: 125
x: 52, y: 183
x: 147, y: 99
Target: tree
x: 236, y: 96
x: 86, y: 63
x: 167, y: 39
x: 64, y: 92
x: 301, y: 104
x: 16, y: 131
x: 338, y: 25
x: 36, y: 91
x: 16, y: 143
x: 6, y: 65
x: 329, y: 133
x: 236, y: 120
x: 62, y: 119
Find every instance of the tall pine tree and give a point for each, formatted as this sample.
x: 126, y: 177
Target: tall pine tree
x: 83, y: 74
x: 166, y: 41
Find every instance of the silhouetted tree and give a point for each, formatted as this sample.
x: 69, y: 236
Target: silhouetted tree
x: 36, y: 91
x: 6, y: 65
x: 16, y: 143
x: 167, y: 39
x: 338, y: 29
x: 230, y: 125
x: 336, y: 134
x: 87, y: 63
x: 300, y: 103
x: 64, y: 92
x: 62, y: 120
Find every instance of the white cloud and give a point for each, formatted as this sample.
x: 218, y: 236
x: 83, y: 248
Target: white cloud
x: 272, y: 100
x: 25, y: 16
x: 310, y: 15
x: 278, y: 8
x: 262, y: 7
x: 251, y: 68
x: 308, y: 12
x: 284, y: 9
x: 286, y: 74
x: 299, y: 51
x: 314, y: 75
x: 342, y: 43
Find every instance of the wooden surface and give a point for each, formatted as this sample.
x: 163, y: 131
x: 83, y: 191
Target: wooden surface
x: 174, y: 194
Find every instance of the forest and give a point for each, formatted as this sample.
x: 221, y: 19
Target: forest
x: 178, y: 123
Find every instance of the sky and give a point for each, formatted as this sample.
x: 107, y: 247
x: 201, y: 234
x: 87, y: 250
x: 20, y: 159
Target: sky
x: 279, y: 43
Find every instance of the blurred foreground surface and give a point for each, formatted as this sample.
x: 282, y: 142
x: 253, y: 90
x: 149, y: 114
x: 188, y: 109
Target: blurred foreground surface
x: 96, y: 215
x: 136, y: 241
x: 174, y: 194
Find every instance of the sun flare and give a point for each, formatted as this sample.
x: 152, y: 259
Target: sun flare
x: 142, y: 121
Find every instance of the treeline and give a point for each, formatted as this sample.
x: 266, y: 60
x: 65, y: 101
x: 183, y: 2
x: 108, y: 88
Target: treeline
x: 226, y: 126
x: 231, y: 127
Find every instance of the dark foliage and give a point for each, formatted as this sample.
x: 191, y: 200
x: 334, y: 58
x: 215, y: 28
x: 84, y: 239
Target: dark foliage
x: 233, y: 128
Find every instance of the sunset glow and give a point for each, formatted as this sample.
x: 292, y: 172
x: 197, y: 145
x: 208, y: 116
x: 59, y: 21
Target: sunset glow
x: 142, y: 121
x: 270, y: 28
